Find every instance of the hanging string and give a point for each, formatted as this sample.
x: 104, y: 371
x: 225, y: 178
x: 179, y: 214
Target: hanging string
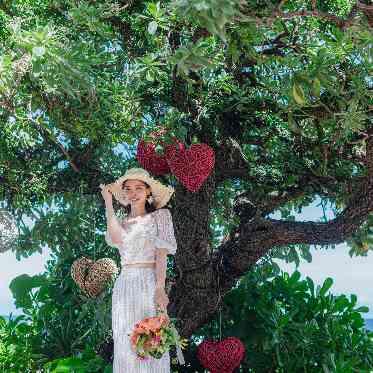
x: 94, y: 228
x: 220, y: 324
x: 219, y: 299
x: 81, y: 195
x: 94, y: 235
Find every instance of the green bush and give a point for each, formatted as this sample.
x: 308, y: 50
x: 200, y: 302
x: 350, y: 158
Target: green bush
x: 287, y: 325
x: 56, y: 327
x: 290, y: 325
x: 16, y: 345
x: 88, y: 361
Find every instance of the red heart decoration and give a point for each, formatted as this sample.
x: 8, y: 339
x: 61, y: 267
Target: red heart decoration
x: 191, y: 166
x: 221, y: 357
x: 152, y: 161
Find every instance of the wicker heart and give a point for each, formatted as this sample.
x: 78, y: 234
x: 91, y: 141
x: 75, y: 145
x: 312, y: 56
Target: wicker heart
x: 92, y: 277
x: 221, y: 357
x: 191, y: 166
x: 152, y: 161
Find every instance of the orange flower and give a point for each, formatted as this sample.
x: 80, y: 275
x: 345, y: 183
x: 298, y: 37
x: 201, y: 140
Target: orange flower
x: 153, y: 324
x: 143, y: 329
x: 150, y: 331
x: 134, y: 338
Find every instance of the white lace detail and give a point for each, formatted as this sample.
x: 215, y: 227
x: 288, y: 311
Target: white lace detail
x: 109, y: 241
x: 166, y: 235
x: 141, y: 238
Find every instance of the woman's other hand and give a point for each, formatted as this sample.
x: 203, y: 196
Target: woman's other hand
x: 161, y: 299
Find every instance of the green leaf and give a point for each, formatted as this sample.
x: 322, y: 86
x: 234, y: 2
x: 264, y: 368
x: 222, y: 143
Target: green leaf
x: 108, y: 369
x: 295, y: 277
x: 21, y: 287
x: 70, y: 364
x: 149, y: 76
x: 316, y: 87
x: 293, y: 126
x: 152, y: 27
x: 353, y: 298
x: 311, y: 285
x: 298, y: 94
x: 328, y: 283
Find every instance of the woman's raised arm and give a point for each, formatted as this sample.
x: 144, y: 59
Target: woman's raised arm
x: 114, y: 231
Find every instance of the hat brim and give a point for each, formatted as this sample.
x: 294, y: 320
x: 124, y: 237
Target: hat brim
x: 161, y: 193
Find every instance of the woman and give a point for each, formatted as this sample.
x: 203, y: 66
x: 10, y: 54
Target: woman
x: 144, y: 238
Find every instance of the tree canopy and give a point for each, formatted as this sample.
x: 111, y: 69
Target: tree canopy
x: 281, y: 90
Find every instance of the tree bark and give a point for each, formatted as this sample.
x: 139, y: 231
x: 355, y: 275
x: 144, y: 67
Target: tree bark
x: 195, y: 275
x: 203, y: 276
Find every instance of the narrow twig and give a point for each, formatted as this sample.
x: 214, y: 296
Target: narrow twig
x: 50, y: 137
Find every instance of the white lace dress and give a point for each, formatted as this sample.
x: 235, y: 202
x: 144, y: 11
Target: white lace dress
x: 134, y: 288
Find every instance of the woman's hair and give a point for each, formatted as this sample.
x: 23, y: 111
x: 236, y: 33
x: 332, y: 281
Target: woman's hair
x: 149, y: 207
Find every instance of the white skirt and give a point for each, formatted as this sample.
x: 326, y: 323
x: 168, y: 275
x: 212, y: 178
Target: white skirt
x: 133, y: 300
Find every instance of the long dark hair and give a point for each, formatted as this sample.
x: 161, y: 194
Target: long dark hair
x: 149, y: 207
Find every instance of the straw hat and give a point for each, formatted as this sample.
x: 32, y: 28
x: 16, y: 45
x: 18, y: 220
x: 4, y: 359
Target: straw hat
x: 161, y: 193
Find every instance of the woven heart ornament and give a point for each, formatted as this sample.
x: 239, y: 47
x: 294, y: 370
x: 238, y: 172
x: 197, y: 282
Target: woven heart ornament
x: 191, y: 166
x: 92, y: 277
x: 152, y: 161
x: 221, y: 357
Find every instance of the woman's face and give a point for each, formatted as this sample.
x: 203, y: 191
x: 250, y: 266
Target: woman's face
x: 136, y: 192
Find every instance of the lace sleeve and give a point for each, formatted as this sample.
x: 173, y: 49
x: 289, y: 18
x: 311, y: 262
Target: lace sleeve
x: 166, y: 236
x: 114, y: 220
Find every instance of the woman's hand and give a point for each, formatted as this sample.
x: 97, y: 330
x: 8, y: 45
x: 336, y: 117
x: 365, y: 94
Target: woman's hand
x: 106, y: 194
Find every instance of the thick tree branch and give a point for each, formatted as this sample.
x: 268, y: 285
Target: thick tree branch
x: 203, y: 275
x: 206, y: 282
x: 252, y: 239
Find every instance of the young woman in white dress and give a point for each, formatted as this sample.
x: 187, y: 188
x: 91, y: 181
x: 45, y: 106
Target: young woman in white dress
x: 144, y: 238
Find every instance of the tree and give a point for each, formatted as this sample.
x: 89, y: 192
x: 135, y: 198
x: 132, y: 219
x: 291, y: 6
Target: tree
x: 279, y: 89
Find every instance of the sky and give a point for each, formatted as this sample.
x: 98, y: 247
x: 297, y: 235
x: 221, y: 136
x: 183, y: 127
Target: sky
x: 350, y: 275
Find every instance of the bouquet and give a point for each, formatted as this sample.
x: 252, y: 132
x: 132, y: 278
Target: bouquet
x: 153, y: 336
